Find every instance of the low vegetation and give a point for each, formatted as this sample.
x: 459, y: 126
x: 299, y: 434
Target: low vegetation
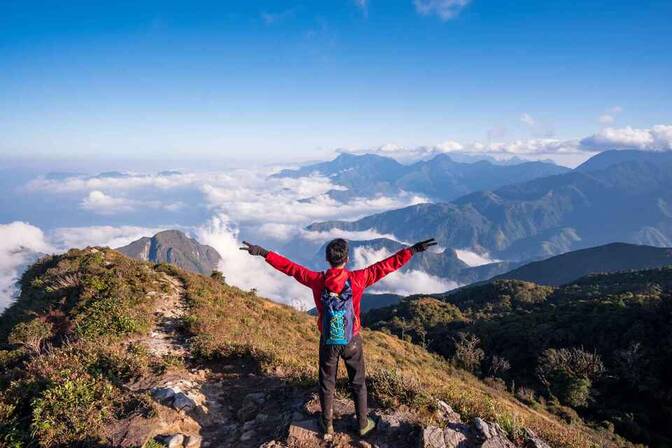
x: 66, y: 351
x: 69, y: 353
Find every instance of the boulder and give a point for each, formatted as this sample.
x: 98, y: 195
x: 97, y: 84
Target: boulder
x: 491, y: 434
x: 456, y: 435
x: 182, y: 402
x: 432, y: 437
x: 193, y: 441
x: 448, y: 413
x: 163, y: 394
x: 304, y: 433
x: 171, y: 441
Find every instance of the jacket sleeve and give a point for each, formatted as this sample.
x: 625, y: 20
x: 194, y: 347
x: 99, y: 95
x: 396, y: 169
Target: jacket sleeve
x: 303, y: 275
x: 370, y: 275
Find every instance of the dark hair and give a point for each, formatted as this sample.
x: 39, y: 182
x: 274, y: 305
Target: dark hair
x: 337, y: 252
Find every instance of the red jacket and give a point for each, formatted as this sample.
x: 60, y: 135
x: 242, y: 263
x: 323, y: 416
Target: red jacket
x: 334, y: 279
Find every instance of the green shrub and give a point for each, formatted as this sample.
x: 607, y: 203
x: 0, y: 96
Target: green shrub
x: 30, y: 335
x: 71, y: 411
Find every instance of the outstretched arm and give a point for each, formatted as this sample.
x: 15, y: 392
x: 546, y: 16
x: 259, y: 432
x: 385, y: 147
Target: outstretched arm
x: 370, y: 275
x: 303, y: 275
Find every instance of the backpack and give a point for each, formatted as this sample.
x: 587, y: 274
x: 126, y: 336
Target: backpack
x: 338, y: 316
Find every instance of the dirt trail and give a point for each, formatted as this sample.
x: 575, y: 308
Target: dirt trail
x: 218, y: 405
x: 165, y: 339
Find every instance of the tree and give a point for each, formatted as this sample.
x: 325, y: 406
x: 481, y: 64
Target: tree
x: 468, y: 354
x: 568, y: 373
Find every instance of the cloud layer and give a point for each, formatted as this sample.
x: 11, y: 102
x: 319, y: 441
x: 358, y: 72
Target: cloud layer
x: 20, y: 243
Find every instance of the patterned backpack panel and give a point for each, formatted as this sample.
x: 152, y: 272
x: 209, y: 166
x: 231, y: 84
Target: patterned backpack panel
x: 338, y: 316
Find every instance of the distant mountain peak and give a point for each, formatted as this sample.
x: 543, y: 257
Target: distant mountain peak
x: 174, y: 247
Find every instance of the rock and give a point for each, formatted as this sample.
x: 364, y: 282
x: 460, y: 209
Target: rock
x: 532, y: 441
x: 193, y: 441
x: 163, y: 394
x: 272, y: 444
x: 182, y: 402
x: 498, y: 442
x: 256, y: 397
x: 261, y: 418
x: 364, y: 444
x: 250, y: 406
x: 482, y: 429
x: 248, y: 435
x: 171, y: 441
x: 248, y: 425
x: 456, y: 435
x: 492, y: 435
x: 432, y: 437
x: 448, y: 413
x: 304, y: 433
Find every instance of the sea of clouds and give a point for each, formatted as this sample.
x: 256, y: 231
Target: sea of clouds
x: 236, y: 205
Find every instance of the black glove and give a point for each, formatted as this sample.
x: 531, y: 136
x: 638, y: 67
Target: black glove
x: 253, y: 249
x: 423, y: 245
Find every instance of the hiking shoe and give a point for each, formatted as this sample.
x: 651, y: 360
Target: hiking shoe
x: 370, y: 426
x: 327, y: 428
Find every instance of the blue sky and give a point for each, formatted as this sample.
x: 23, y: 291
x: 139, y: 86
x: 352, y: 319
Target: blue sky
x: 281, y: 80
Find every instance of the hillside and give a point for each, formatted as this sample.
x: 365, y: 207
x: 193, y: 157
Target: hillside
x: 570, y: 266
x: 103, y: 350
x: 627, y: 201
x: 440, y: 178
x: 174, y: 247
x: 598, y: 349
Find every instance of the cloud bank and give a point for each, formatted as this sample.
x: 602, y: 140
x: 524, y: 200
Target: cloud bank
x: 20, y: 244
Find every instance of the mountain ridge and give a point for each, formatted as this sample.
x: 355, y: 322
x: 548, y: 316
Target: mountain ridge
x: 174, y: 247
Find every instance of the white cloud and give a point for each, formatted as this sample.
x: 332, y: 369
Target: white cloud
x: 657, y: 138
x: 104, y: 204
x: 528, y: 119
x: 99, y: 202
x: 363, y: 5
x: 444, y: 9
x: 107, y: 236
x: 247, y: 272
x: 606, y: 119
x: 358, y: 235
x: 402, y: 283
x: 474, y: 259
x: 20, y: 243
x: 609, y: 115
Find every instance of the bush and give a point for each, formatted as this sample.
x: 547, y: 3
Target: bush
x: 30, y: 335
x: 568, y: 374
x: 71, y: 411
x: 468, y: 354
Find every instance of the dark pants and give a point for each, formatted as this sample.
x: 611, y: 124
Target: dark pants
x: 353, y: 355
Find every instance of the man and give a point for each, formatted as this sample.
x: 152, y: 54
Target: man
x: 338, y: 293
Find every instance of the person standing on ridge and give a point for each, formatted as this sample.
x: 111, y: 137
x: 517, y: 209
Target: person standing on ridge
x: 338, y: 293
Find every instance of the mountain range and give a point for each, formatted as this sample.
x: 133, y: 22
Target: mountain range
x: 615, y: 196
x: 440, y: 178
x: 174, y: 247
